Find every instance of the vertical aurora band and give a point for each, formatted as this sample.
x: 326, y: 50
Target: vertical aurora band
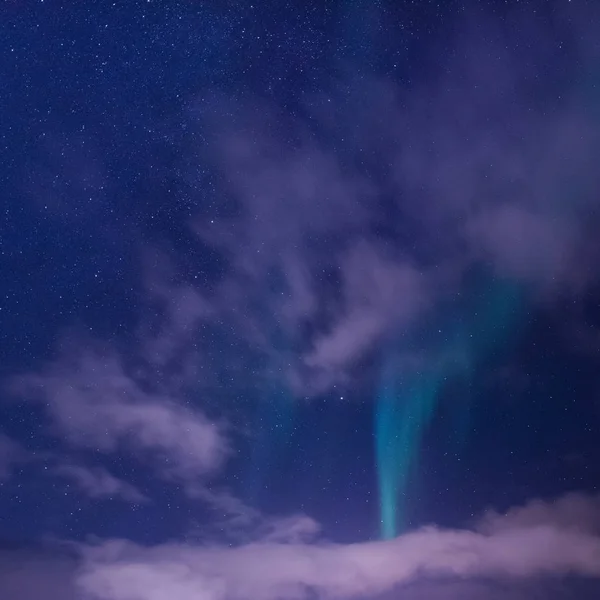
x: 399, y: 428
x: 408, y: 398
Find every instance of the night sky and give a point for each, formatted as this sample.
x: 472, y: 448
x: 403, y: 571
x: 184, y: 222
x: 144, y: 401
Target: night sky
x: 300, y: 300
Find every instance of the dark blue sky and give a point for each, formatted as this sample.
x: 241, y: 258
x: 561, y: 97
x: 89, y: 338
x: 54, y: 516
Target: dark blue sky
x: 274, y: 268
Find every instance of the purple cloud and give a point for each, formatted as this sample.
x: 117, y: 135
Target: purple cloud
x: 97, y: 482
x: 379, y: 293
x: 470, y: 165
x: 528, y: 550
x: 269, y: 569
x: 11, y: 454
x: 27, y: 574
x: 182, y: 307
x: 93, y: 402
x: 575, y: 511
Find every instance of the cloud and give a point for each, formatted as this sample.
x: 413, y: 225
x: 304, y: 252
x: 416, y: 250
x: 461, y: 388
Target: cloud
x: 349, y: 221
x: 231, y: 517
x: 379, y: 293
x: 295, y: 529
x: 376, y: 201
x: 30, y: 574
x: 524, y: 245
x: 11, y: 453
x: 292, y: 568
x: 515, y: 560
x: 168, y: 341
x: 237, y: 522
x: 303, y: 265
x: 289, y: 188
x: 492, y: 177
x: 94, y: 402
x: 99, y: 483
x: 574, y: 511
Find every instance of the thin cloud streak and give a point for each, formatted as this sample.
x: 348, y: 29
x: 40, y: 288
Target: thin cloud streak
x: 97, y: 483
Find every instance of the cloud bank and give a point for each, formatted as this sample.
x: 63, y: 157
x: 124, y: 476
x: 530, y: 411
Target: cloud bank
x: 540, y: 539
x: 502, y: 556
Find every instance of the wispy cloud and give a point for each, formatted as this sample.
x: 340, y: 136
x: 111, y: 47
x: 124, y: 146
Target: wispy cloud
x: 379, y: 294
x: 167, y: 341
x: 375, y: 201
x: 97, y: 482
x: 94, y: 402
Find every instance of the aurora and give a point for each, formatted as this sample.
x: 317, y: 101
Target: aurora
x: 410, y: 387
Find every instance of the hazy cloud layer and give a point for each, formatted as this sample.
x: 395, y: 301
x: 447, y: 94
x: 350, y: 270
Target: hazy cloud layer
x: 353, y: 216
x: 546, y: 545
x: 529, y: 552
x: 503, y: 558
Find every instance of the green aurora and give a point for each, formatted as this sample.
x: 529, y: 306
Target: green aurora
x: 408, y: 396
